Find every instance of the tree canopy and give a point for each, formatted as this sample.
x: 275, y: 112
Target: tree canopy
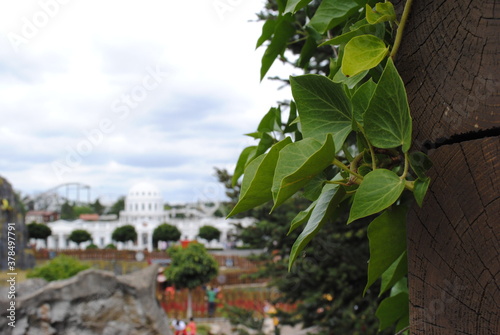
x: 39, y: 231
x: 124, y: 233
x: 209, y: 233
x: 191, y: 266
x: 79, y: 236
x: 166, y: 232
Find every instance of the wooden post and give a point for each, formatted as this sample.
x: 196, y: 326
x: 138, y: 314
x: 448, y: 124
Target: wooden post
x: 449, y: 61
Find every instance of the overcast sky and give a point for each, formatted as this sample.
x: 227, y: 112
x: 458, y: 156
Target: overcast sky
x: 110, y: 93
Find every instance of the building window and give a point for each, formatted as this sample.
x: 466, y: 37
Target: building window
x: 102, y: 242
x: 149, y: 206
x: 144, y: 239
x: 142, y: 206
x: 155, y: 206
x: 136, y: 207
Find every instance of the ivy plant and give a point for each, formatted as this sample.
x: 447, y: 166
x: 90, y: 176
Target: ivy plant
x: 347, y: 140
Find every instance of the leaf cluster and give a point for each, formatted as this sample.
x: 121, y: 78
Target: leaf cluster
x: 166, y: 232
x: 346, y: 142
x: 39, y: 230
x: 79, y: 236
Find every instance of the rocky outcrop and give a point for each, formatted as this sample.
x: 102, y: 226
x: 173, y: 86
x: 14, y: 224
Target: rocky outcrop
x: 91, y: 303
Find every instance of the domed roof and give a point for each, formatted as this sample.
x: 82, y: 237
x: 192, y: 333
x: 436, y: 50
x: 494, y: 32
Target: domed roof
x: 144, y: 190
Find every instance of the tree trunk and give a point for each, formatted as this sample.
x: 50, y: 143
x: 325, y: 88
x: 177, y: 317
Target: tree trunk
x: 189, y: 312
x: 449, y: 61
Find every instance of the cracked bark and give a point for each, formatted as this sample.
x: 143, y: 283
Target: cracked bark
x: 449, y: 61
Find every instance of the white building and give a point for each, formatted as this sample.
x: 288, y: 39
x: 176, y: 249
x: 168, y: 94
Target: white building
x: 145, y: 211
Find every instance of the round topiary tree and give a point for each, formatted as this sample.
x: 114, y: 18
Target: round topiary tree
x: 191, y: 267
x: 79, y: 236
x: 124, y: 234
x: 209, y: 233
x: 166, y: 232
x: 39, y: 231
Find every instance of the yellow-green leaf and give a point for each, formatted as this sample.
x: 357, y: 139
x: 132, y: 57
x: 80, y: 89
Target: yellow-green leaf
x: 363, y: 53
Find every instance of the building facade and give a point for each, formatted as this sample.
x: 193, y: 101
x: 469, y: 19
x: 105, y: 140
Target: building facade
x: 145, y: 211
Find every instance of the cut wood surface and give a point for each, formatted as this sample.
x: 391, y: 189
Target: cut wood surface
x: 449, y: 61
x: 454, y: 243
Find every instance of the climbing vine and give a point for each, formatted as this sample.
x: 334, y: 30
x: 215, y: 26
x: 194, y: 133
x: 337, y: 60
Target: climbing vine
x: 347, y: 139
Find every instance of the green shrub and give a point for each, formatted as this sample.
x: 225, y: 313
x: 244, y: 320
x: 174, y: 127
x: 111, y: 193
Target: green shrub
x: 110, y: 246
x: 61, y: 267
x: 91, y: 246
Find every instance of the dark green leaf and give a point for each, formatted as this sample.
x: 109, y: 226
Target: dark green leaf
x: 292, y: 119
x: 267, y: 32
x: 383, y: 11
x: 420, y: 163
x: 312, y: 189
x: 392, y: 309
x: 258, y: 179
x: 379, y: 189
x: 387, y: 120
x: 394, y: 273
x: 387, y: 236
x: 331, y: 13
x: 302, y: 217
x: 298, y: 163
x: 294, y: 5
x: 361, y: 100
x: 246, y: 155
x: 327, y: 203
x: 284, y: 30
x: 420, y: 189
x: 350, y: 82
x: 363, y: 53
x: 255, y: 134
x: 367, y: 29
x: 271, y: 121
x: 307, y: 51
x: 323, y: 108
x: 265, y: 143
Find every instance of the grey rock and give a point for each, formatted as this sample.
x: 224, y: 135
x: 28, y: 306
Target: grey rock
x: 93, y: 302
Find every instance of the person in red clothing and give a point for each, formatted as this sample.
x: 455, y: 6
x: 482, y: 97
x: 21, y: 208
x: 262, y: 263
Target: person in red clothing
x: 191, y: 327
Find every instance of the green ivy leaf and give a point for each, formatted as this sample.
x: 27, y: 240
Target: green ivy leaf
x: 384, y: 11
x: 293, y: 6
x: 350, y: 82
x: 302, y: 217
x: 378, y: 190
x: 327, y: 203
x: 266, y: 141
x: 323, y: 108
x: 298, y: 163
x: 271, y: 121
x: 245, y: 157
x: 387, y: 237
x: 387, y: 120
x: 267, y: 32
x: 392, y: 309
x: 367, y: 29
x: 283, y: 31
x: 331, y: 13
x: 363, y: 53
x: 394, y: 273
x: 361, y: 100
x: 258, y: 179
x: 420, y: 189
x: 309, y: 48
x: 420, y: 164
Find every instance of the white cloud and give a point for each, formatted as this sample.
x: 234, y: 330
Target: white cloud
x: 70, y: 72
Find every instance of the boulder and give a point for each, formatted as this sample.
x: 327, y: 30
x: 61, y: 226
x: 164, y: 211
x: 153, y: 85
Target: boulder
x: 90, y: 303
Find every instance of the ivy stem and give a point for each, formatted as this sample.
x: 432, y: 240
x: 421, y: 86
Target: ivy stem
x: 341, y: 165
x: 370, y: 146
x: 347, y: 153
x: 406, y: 167
x: 401, y: 28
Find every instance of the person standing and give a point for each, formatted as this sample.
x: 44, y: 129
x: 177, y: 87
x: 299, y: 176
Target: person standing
x: 191, y: 327
x: 211, y: 298
x: 179, y: 327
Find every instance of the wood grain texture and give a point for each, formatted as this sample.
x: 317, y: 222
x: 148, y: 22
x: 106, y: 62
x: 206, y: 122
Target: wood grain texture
x: 449, y: 61
x: 454, y: 243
